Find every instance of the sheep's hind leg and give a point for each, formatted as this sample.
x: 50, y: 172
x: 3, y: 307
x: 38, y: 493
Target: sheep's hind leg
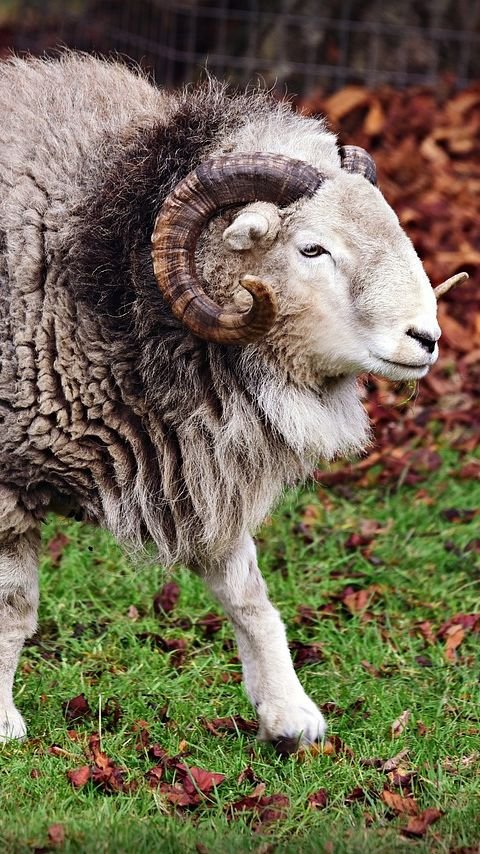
x: 18, y: 619
x: 288, y: 717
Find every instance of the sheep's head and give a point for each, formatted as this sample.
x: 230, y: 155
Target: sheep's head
x: 330, y: 266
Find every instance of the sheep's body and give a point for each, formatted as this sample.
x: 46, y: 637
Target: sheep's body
x: 109, y: 408
x: 120, y: 424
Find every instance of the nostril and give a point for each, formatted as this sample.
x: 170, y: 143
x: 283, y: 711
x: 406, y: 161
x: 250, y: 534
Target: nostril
x: 426, y: 341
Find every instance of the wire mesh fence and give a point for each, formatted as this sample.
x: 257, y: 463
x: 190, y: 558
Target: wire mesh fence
x: 297, y: 44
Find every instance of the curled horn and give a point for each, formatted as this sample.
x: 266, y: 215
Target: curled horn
x: 356, y: 159
x: 218, y: 183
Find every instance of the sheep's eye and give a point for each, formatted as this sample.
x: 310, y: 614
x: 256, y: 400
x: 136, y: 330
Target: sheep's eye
x: 313, y: 250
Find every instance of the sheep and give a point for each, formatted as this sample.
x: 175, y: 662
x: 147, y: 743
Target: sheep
x: 190, y: 285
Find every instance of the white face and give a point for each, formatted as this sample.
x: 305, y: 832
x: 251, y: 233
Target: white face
x: 341, y: 262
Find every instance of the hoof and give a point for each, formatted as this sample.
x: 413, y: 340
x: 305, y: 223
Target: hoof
x: 291, y: 727
x: 12, y: 725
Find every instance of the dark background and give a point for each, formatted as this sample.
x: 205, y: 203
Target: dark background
x: 292, y: 44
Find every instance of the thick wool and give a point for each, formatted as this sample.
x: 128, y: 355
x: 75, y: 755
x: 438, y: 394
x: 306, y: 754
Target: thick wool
x: 110, y: 410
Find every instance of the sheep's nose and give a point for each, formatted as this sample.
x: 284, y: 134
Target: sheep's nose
x: 425, y: 340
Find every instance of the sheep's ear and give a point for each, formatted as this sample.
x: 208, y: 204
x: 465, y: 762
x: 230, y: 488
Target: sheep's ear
x: 257, y: 224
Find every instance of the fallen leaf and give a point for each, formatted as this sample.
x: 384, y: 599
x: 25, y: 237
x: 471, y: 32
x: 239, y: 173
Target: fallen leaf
x: 76, y: 709
x: 133, y: 613
x: 454, y: 636
x: 210, y: 623
x: 104, y: 772
x: 401, y: 778
x: 373, y: 671
x: 197, y: 779
x: 357, y: 601
x: 166, y: 599
x: 56, y: 834
x: 357, y: 794
x: 308, y: 521
x: 386, y: 764
x: 346, y: 100
x: 176, y: 646
x: 468, y: 622
x: 158, y: 753
x: 470, y: 471
x: 80, y: 776
x: 374, y: 120
x: 248, y: 775
x: 400, y: 723
x: 154, y: 776
x: 268, y: 808
x: 234, y: 723
x: 426, y: 630
x: 306, y: 616
x: 318, y: 800
x: 419, y: 825
x: 305, y: 653
x: 334, y: 745
x: 424, y: 661
x: 176, y: 795
x: 399, y: 804
x: 56, y: 547
x: 458, y: 515
x: 56, y: 750
x: 110, y: 777
x: 143, y: 735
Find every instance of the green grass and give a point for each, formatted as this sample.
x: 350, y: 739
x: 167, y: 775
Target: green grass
x: 426, y: 569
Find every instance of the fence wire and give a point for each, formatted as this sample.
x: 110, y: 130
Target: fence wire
x: 293, y: 44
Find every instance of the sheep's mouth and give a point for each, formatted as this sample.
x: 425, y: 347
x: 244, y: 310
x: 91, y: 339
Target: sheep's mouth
x: 405, y: 364
x: 399, y: 370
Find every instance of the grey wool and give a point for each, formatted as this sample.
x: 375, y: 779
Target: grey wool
x: 109, y: 409
x: 125, y: 398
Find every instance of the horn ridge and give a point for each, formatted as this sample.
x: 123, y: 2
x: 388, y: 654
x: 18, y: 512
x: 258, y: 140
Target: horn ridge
x: 218, y: 183
x: 355, y: 159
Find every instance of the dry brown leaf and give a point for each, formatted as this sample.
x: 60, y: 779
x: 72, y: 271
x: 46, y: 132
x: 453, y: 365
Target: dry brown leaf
x: 318, y: 800
x: 454, y: 636
x: 426, y: 630
x: 455, y: 333
x: 133, y: 613
x: 346, y: 100
x: 358, y: 600
x: 399, y: 804
x: 460, y: 104
x: 418, y: 826
x: 431, y: 151
x: 56, y: 834
x: 80, y: 776
x: 385, y: 764
x: 374, y: 120
x: 400, y: 723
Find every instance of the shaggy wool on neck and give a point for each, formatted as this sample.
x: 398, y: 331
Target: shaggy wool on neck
x: 229, y: 431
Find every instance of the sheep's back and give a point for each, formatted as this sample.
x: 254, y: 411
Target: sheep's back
x: 59, y: 120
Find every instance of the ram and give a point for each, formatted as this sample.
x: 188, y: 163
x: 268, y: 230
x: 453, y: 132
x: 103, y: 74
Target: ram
x: 190, y: 285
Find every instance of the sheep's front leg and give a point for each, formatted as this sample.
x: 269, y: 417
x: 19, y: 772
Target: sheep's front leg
x: 18, y: 619
x: 287, y: 715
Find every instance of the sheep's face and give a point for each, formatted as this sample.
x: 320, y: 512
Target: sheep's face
x: 353, y: 295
